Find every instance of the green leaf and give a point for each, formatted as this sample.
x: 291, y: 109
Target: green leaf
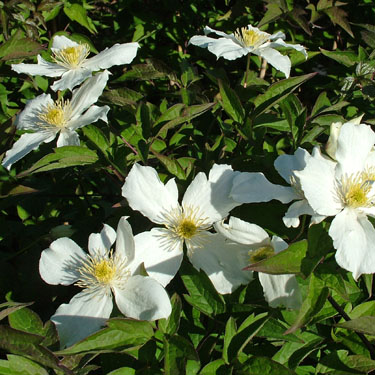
x: 18, y: 47
x: 202, y: 294
x: 217, y: 367
x: 178, y: 351
x: 170, y: 325
x: 339, y: 16
x: 230, y: 331
x: 12, y: 307
x: 346, y: 58
x: 363, y: 324
x: 273, y: 13
x: 312, y: 304
x: 231, y: 103
x: 122, y: 97
x: 120, y: 334
x: 172, y: 165
x: 277, y: 92
x: 63, y: 157
x: 97, y: 137
x: 26, y: 320
x: 17, y: 365
x: 123, y: 371
x: 274, y: 329
x: 77, y: 13
x: 286, y: 261
x: 262, y: 366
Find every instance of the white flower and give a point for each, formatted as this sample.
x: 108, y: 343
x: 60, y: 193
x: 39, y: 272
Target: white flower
x: 250, y: 187
x: 100, y: 273
x: 72, y: 65
x: 205, y: 202
x: 47, y: 118
x: 248, y: 40
x: 346, y: 190
x: 279, y: 290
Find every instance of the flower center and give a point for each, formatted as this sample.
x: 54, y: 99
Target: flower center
x: 261, y: 253
x: 251, y: 37
x: 102, y: 271
x: 186, y: 229
x: 71, y: 57
x: 55, y: 115
x: 357, y: 190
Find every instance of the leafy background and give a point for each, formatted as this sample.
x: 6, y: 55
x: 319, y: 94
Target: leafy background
x: 180, y: 110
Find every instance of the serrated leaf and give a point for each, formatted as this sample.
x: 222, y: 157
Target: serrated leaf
x: 202, y: 294
x: 277, y: 92
x: 312, y: 304
x: 284, y: 262
x: 346, y: 58
x: 178, y: 351
x: 261, y: 366
x: 231, y: 103
x: 26, y: 320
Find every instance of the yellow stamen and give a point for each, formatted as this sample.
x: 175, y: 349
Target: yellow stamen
x: 261, y: 253
x: 71, y: 57
x: 250, y: 37
x: 56, y: 114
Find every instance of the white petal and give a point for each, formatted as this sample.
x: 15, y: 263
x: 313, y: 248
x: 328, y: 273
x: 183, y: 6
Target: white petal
x: 85, y: 314
x: 88, y: 93
x: 242, y: 232
x: 160, y: 262
x: 223, y: 262
x: 280, y: 43
x: 354, y: 239
x: 227, y: 48
x: 281, y: 290
x: 147, y: 194
x: 25, y: 144
x: 353, y: 146
x: 43, y: 68
x: 277, y: 35
x: 62, y: 42
x: 29, y: 117
x: 60, y: 262
x: 278, y: 244
x: 318, y: 184
x: 286, y: 164
x: 67, y: 138
x: 119, y: 54
x: 208, y: 30
x: 125, y: 246
x: 100, y: 243
x: 275, y: 58
x: 143, y: 298
x: 71, y: 78
x: 295, y: 210
x: 249, y: 187
x: 93, y: 114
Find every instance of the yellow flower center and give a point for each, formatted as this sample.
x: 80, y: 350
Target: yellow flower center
x: 102, y: 271
x: 56, y: 114
x: 261, y: 253
x: 71, y: 57
x: 357, y: 190
x: 186, y: 229
x: 251, y: 37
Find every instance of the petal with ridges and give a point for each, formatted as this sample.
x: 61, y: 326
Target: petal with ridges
x: 100, y: 243
x: 67, y: 138
x: 125, y: 246
x: 71, y: 78
x: 93, y: 114
x: 42, y: 68
x: 275, y: 58
x: 62, y: 42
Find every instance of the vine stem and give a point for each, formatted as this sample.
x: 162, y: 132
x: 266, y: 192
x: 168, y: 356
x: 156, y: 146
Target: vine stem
x: 363, y: 338
x: 247, y: 70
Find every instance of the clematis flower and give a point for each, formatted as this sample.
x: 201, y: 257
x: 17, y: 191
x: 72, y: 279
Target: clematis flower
x: 47, y: 118
x: 205, y: 202
x: 279, y: 290
x: 251, y: 187
x: 71, y: 62
x: 100, y: 273
x: 345, y: 190
x: 247, y: 40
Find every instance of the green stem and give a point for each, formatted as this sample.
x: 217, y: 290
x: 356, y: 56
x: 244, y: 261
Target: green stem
x: 247, y: 70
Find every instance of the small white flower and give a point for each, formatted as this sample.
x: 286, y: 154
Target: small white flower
x: 100, y: 273
x: 279, y: 290
x: 248, y: 40
x: 205, y: 202
x: 47, y: 118
x: 346, y: 190
x: 71, y: 62
x: 251, y: 187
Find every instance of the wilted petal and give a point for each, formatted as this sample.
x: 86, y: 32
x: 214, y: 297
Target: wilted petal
x: 85, y: 314
x: 354, y: 239
x: 25, y: 144
x: 117, y: 55
x: 60, y: 262
x: 100, y: 243
x: 249, y: 187
x: 281, y: 290
x: 143, y: 298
